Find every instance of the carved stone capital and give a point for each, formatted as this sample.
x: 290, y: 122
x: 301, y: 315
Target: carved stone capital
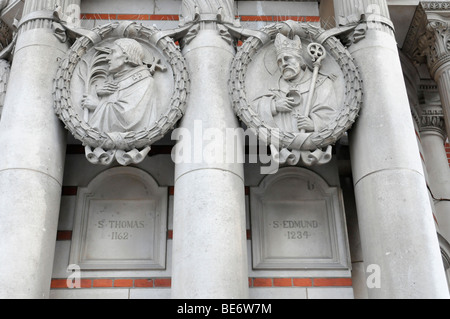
x: 366, y: 15
x: 428, y: 38
x: 432, y: 120
x: 207, y: 10
x: 435, y: 44
x: 216, y: 15
x: 40, y: 14
x: 430, y: 115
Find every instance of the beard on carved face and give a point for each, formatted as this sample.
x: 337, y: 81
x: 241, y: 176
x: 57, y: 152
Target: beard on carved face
x: 291, y: 72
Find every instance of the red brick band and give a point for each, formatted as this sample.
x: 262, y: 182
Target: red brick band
x: 167, y: 282
x: 175, y: 17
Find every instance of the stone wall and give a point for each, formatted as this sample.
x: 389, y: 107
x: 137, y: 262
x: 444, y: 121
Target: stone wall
x: 154, y: 284
x: 157, y: 283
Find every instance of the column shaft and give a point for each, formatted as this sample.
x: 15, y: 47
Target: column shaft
x: 31, y: 167
x: 438, y: 172
x: 209, y: 240
x: 394, y: 211
x: 443, y: 81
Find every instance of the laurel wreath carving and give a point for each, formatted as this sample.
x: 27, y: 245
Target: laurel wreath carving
x: 335, y: 129
x: 75, y: 123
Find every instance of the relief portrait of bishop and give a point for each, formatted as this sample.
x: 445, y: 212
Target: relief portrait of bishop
x: 285, y: 107
x: 126, y: 100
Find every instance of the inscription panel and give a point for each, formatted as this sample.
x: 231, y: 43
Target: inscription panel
x: 297, y: 223
x: 120, y: 230
x: 120, y: 227
x: 297, y: 229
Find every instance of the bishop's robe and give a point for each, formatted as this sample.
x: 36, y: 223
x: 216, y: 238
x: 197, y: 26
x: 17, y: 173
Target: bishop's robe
x: 322, y: 109
x: 132, y: 107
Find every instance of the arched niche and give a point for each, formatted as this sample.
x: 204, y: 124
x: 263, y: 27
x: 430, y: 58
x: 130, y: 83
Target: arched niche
x: 298, y: 222
x: 120, y: 222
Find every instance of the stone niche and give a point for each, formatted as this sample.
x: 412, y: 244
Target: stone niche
x: 298, y: 222
x: 120, y: 222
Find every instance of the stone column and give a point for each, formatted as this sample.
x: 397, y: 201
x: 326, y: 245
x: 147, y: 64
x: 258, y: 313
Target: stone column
x: 398, y: 236
x: 33, y: 151
x: 209, y: 236
x: 432, y: 137
x: 434, y: 44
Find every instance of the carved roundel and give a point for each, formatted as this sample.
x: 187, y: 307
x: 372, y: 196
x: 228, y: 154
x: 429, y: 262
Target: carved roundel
x: 299, y: 92
x: 118, y: 91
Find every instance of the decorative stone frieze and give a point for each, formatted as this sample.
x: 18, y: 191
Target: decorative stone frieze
x: 120, y: 91
x: 435, y: 5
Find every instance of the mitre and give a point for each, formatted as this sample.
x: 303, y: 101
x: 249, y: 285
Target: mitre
x: 285, y: 45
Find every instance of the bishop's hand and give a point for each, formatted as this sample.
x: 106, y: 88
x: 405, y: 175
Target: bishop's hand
x: 89, y: 101
x: 305, y: 123
x: 284, y: 104
x: 108, y: 88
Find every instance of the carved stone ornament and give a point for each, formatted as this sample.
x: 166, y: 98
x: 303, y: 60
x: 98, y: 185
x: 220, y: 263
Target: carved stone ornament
x: 299, y: 93
x: 5, y: 69
x: 121, y: 89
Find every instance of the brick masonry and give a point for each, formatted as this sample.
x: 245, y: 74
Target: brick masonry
x: 255, y: 282
x: 115, y: 283
x: 174, y: 17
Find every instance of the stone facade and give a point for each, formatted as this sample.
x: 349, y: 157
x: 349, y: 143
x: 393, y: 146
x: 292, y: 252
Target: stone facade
x: 224, y: 149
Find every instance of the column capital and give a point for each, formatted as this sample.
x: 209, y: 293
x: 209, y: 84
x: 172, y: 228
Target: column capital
x: 428, y: 38
x: 430, y: 114
x: 432, y: 120
x: 366, y: 14
x: 193, y: 11
x: 435, y: 44
x: 41, y: 14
